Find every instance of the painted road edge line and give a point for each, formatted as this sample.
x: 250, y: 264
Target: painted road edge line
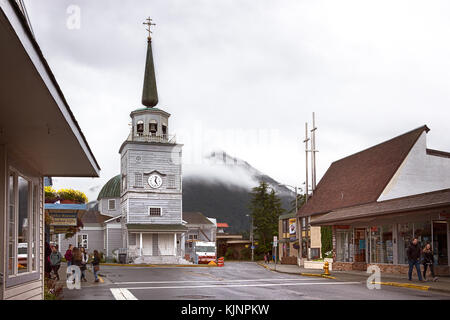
x: 403, y: 285
x: 122, y: 294
x: 244, y: 285
x: 213, y: 281
x: 159, y: 265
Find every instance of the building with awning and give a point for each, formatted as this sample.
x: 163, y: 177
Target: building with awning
x: 379, y: 199
x: 39, y: 137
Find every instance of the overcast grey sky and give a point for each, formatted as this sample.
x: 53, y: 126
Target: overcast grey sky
x: 244, y: 76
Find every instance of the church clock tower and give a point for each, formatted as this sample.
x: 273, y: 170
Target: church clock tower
x: 151, y: 180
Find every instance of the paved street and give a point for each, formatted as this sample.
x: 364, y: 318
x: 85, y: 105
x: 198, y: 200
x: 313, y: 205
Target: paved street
x: 236, y: 281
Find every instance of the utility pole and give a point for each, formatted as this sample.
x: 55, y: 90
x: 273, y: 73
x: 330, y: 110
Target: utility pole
x: 313, y: 154
x: 306, y: 160
x: 251, y: 239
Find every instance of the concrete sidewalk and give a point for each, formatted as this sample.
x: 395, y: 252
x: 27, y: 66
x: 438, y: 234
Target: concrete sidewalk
x: 89, y: 276
x: 398, y: 280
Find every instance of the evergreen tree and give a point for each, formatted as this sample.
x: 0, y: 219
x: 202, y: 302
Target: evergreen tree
x: 265, y: 209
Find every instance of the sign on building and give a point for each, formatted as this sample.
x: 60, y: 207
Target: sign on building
x: 64, y: 219
x: 292, y: 228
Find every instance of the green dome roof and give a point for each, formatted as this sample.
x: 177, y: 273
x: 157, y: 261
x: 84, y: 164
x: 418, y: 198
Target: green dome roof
x: 111, y: 189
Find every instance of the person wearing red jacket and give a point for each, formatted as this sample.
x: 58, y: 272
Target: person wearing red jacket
x: 69, y: 255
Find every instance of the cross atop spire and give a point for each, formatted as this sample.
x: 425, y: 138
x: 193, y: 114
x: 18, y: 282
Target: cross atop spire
x: 149, y: 93
x: 149, y: 23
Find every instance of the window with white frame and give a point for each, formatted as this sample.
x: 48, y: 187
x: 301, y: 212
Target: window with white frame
x: 154, y: 212
x: 22, y: 226
x: 83, y: 241
x: 171, y: 181
x: 138, y: 179
x: 112, y: 204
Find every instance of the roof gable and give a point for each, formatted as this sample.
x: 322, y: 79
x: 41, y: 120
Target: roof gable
x: 360, y: 178
x: 196, y: 218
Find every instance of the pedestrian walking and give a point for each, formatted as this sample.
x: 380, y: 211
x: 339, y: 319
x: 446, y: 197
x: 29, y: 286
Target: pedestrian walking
x: 96, y: 264
x: 84, y: 260
x: 265, y: 258
x: 76, y: 257
x: 414, y: 252
x: 68, y: 255
x: 47, y: 264
x: 55, y: 261
x: 428, y: 261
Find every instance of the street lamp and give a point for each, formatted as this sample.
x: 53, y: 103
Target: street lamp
x: 251, y: 237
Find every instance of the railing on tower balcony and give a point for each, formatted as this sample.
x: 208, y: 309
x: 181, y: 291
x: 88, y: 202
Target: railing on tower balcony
x: 153, y: 137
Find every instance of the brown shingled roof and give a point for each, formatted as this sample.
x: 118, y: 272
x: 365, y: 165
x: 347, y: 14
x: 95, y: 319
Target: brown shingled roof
x: 361, y: 177
x: 435, y: 199
x: 93, y: 217
x: 195, y: 218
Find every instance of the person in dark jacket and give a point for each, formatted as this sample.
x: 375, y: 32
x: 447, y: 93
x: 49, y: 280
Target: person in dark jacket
x: 96, y: 264
x: 84, y: 261
x: 428, y: 261
x: 77, y: 257
x: 413, y: 252
x: 47, y: 264
x: 68, y: 255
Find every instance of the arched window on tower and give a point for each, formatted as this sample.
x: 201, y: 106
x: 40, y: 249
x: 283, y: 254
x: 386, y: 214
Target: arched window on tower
x: 153, y: 127
x: 164, y: 129
x: 140, y: 128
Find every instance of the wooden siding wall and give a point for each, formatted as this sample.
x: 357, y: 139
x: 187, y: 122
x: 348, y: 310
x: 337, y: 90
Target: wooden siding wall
x: 33, y: 289
x: 104, y: 208
x: 166, y: 159
x: 114, y: 240
x: 170, y: 205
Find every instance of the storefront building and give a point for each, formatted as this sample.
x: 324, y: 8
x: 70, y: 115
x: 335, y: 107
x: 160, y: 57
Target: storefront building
x: 379, y: 199
x: 288, y: 241
x: 380, y: 233
x: 36, y: 125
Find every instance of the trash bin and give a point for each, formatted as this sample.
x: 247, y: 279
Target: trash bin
x: 122, y: 258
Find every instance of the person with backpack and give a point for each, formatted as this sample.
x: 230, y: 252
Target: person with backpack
x: 428, y: 261
x: 55, y: 261
x: 68, y: 256
x: 96, y: 264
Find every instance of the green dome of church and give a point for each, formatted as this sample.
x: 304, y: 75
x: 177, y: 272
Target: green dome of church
x: 111, y: 189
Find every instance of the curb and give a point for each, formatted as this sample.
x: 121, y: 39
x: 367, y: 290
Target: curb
x: 393, y: 284
x: 404, y: 285
x: 300, y: 274
x: 159, y: 265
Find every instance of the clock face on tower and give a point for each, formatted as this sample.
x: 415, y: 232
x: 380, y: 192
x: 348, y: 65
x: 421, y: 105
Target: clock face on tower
x: 154, y: 181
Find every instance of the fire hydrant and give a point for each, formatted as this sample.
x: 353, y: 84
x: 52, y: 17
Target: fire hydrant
x: 326, y: 268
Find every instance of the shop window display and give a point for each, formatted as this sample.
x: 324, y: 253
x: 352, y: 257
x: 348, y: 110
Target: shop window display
x: 381, y: 248
x: 344, y: 246
x: 405, y: 236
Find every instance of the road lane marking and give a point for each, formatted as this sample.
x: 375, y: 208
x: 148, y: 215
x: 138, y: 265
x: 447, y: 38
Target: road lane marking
x: 219, y: 281
x: 122, y: 294
x: 245, y: 285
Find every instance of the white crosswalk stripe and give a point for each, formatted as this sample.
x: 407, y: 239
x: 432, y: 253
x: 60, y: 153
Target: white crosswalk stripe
x: 122, y: 294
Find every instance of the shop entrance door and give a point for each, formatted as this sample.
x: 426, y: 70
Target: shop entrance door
x: 360, y: 245
x: 440, y: 249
